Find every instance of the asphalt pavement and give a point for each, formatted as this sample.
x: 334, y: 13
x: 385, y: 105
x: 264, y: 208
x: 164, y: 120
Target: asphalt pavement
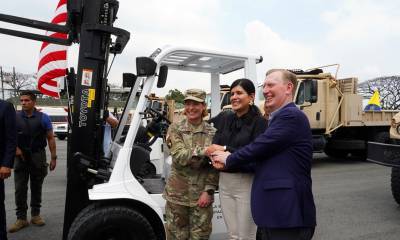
x: 353, y: 200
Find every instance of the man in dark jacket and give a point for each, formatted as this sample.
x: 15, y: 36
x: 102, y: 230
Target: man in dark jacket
x: 33, y: 130
x: 8, y: 143
x: 282, y: 202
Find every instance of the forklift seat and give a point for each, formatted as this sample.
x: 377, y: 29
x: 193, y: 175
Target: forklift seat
x: 139, y: 157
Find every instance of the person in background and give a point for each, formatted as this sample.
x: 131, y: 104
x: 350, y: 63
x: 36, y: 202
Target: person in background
x: 282, y: 201
x: 33, y: 130
x: 8, y: 144
x: 111, y: 122
x: 235, y: 129
x: 267, y: 111
x: 189, y: 190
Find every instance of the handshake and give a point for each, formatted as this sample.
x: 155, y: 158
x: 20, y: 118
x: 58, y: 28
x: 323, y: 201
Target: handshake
x: 218, y: 155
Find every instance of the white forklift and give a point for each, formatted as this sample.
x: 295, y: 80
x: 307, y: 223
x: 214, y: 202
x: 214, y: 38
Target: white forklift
x: 130, y: 205
x: 109, y: 195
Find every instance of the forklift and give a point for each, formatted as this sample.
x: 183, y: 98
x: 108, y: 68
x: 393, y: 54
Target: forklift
x: 108, y: 196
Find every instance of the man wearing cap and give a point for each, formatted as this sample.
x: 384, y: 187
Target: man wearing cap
x: 190, y: 187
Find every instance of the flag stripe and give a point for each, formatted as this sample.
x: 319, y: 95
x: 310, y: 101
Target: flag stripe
x: 51, y: 66
x: 51, y: 92
x: 53, y: 58
x: 52, y: 48
x: 48, y: 77
x: 62, y: 2
x: 60, y: 18
x: 61, y: 9
x: 54, y: 35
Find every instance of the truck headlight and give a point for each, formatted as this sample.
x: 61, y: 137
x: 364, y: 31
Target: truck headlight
x: 398, y: 129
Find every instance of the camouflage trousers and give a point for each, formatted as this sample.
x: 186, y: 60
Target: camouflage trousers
x: 188, y: 223
x: 34, y: 170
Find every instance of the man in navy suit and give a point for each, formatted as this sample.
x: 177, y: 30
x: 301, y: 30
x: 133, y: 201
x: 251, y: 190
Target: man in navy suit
x: 8, y: 144
x: 282, y: 202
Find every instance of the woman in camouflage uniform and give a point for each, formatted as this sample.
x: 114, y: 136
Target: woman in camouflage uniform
x: 190, y: 187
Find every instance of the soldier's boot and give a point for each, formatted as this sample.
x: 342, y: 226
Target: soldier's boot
x: 37, y: 221
x: 18, y: 225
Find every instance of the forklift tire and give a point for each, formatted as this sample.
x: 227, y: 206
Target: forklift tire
x: 395, y: 184
x: 98, y: 222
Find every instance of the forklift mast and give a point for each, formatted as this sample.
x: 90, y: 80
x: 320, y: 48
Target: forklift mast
x: 90, y: 23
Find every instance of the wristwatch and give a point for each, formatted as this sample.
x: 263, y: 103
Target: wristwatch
x: 225, y: 148
x: 54, y: 157
x: 210, y: 192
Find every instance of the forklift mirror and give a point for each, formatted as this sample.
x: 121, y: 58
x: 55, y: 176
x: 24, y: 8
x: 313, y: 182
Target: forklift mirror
x: 145, y: 66
x: 128, y: 80
x: 162, y: 76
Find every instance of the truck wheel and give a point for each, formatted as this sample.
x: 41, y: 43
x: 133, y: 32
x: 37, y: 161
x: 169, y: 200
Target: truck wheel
x: 336, y: 153
x: 395, y: 183
x: 110, y: 222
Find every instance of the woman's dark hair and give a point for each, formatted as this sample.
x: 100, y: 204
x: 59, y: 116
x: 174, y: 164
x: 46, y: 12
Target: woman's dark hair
x: 246, y: 84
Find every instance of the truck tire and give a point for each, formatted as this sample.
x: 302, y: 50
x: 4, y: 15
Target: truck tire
x: 336, y: 153
x: 395, y: 184
x: 110, y: 222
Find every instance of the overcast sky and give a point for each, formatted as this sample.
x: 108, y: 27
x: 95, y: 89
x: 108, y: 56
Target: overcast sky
x: 362, y: 36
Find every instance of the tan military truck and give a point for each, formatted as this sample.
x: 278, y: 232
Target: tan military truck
x: 339, y: 124
x: 388, y: 154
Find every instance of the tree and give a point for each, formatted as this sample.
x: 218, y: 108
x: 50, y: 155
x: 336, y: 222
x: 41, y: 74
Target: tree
x: 14, y: 82
x: 389, y: 90
x: 175, y: 94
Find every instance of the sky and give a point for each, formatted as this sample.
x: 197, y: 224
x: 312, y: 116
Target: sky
x: 362, y: 36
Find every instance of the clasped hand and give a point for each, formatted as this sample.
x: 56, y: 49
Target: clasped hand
x: 217, y: 155
x: 5, y: 172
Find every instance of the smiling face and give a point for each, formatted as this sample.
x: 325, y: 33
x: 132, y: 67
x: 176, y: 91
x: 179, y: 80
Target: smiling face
x: 240, y: 100
x: 277, y: 91
x: 194, y: 111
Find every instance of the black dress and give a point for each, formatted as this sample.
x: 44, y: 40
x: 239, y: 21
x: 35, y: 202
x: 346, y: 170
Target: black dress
x: 235, y: 132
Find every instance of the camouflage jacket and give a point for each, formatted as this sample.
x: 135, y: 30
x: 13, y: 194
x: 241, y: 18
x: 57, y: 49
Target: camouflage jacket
x: 191, y: 171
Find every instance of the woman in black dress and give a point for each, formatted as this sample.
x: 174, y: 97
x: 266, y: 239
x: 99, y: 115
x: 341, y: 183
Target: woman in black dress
x: 236, y: 129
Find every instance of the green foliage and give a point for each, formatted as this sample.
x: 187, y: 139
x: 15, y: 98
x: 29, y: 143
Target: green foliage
x: 175, y: 94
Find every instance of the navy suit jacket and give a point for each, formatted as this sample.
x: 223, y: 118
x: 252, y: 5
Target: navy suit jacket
x: 8, y: 134
x: 281, y: 195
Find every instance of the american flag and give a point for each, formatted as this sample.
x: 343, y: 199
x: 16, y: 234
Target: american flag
x: 53, y: 57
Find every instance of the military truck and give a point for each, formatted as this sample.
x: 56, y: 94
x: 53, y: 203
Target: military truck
x: 387, y: 153
x: 339, y: 124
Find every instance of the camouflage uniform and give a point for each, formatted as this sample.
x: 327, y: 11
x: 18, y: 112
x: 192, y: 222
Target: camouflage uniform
x: 191, y: 174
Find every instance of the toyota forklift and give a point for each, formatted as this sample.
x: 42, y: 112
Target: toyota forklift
x: 109, y: 195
